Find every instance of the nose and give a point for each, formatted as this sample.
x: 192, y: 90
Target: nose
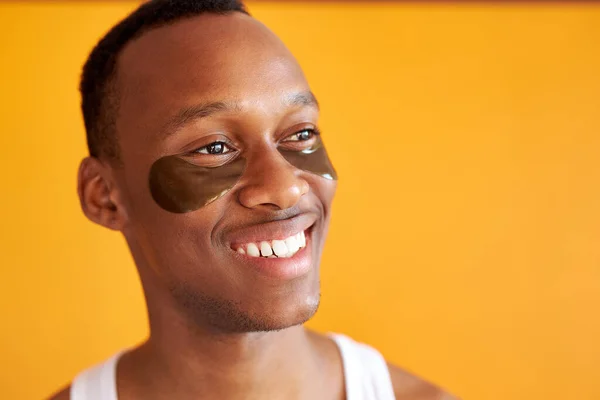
x: 271, y: 182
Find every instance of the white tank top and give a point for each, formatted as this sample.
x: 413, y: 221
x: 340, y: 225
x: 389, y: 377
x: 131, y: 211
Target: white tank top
x: 366, y: 375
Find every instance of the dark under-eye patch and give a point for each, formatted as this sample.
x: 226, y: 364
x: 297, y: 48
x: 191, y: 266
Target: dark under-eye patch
x: 179, y: 186
x: 314, y: 159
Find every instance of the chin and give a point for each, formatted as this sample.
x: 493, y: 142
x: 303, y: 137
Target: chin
x: 252, y: 315
x: 293, y: 315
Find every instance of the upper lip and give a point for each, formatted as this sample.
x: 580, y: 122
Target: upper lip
x: 272, y: 230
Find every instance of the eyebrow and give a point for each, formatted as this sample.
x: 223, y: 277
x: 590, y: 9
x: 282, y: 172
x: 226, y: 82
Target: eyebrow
x: 189, y: 114
x: 307, y: 99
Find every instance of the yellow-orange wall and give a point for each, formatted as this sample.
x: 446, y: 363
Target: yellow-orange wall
x: 465, y: 242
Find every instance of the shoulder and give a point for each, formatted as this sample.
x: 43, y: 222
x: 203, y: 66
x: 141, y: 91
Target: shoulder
x: 63, y: 394
x: 410, y: 387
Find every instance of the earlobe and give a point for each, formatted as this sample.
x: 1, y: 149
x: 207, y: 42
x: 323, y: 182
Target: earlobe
x: 96, y: 195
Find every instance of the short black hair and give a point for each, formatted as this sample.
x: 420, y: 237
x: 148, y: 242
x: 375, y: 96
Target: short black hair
x: 99, y: 100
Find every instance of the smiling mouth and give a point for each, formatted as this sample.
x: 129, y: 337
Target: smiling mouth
x: 276, y: 248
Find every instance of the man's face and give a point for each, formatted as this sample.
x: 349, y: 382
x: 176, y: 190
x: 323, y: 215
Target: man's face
x: 259, y: 108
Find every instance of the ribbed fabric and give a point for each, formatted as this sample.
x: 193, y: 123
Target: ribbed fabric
x: 366, y: 373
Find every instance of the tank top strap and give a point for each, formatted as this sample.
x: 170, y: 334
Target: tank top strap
x: 366, y: 373
x: 98, y: 382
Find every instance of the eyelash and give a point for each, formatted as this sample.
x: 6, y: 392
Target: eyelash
x: 205, y: 149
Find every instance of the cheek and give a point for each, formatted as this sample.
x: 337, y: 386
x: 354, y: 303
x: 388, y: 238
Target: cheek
x: 174, y: 245
x: 178, y: 245
x: 325, y: 190
x: 171, y: 234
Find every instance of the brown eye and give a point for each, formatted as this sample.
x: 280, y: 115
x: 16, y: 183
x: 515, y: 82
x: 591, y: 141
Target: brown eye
x: 215, y: 148
x: 301, y: 136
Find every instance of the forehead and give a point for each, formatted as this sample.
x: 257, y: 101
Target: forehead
x: 208, y: 58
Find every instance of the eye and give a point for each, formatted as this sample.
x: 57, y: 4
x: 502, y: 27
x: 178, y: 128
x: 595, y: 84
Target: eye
x: 302, y: 136
x: 215, y: 148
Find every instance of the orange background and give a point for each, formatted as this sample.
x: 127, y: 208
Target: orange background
x: 465, y: 237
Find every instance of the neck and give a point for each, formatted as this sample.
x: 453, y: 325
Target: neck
x: 200, y: 363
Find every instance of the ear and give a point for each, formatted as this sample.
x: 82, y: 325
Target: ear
x: 99, y: 196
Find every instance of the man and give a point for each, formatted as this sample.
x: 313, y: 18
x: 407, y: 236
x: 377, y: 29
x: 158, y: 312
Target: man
x: 205, y: 153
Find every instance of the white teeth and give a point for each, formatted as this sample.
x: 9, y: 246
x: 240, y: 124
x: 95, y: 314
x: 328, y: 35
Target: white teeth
x: 276, y: 248
x: 301, y: 239
x: 253, y: 250
x: 265, y: 249
x: 279, y: 248
x: 292, y: 245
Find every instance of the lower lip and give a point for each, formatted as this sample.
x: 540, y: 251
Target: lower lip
x: 282, y: 268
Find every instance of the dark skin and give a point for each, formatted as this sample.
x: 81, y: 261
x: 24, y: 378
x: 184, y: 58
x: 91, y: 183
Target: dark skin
x: 205, y: 305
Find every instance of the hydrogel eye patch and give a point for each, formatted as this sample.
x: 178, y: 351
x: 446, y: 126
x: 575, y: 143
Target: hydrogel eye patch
x: 179, y: 186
